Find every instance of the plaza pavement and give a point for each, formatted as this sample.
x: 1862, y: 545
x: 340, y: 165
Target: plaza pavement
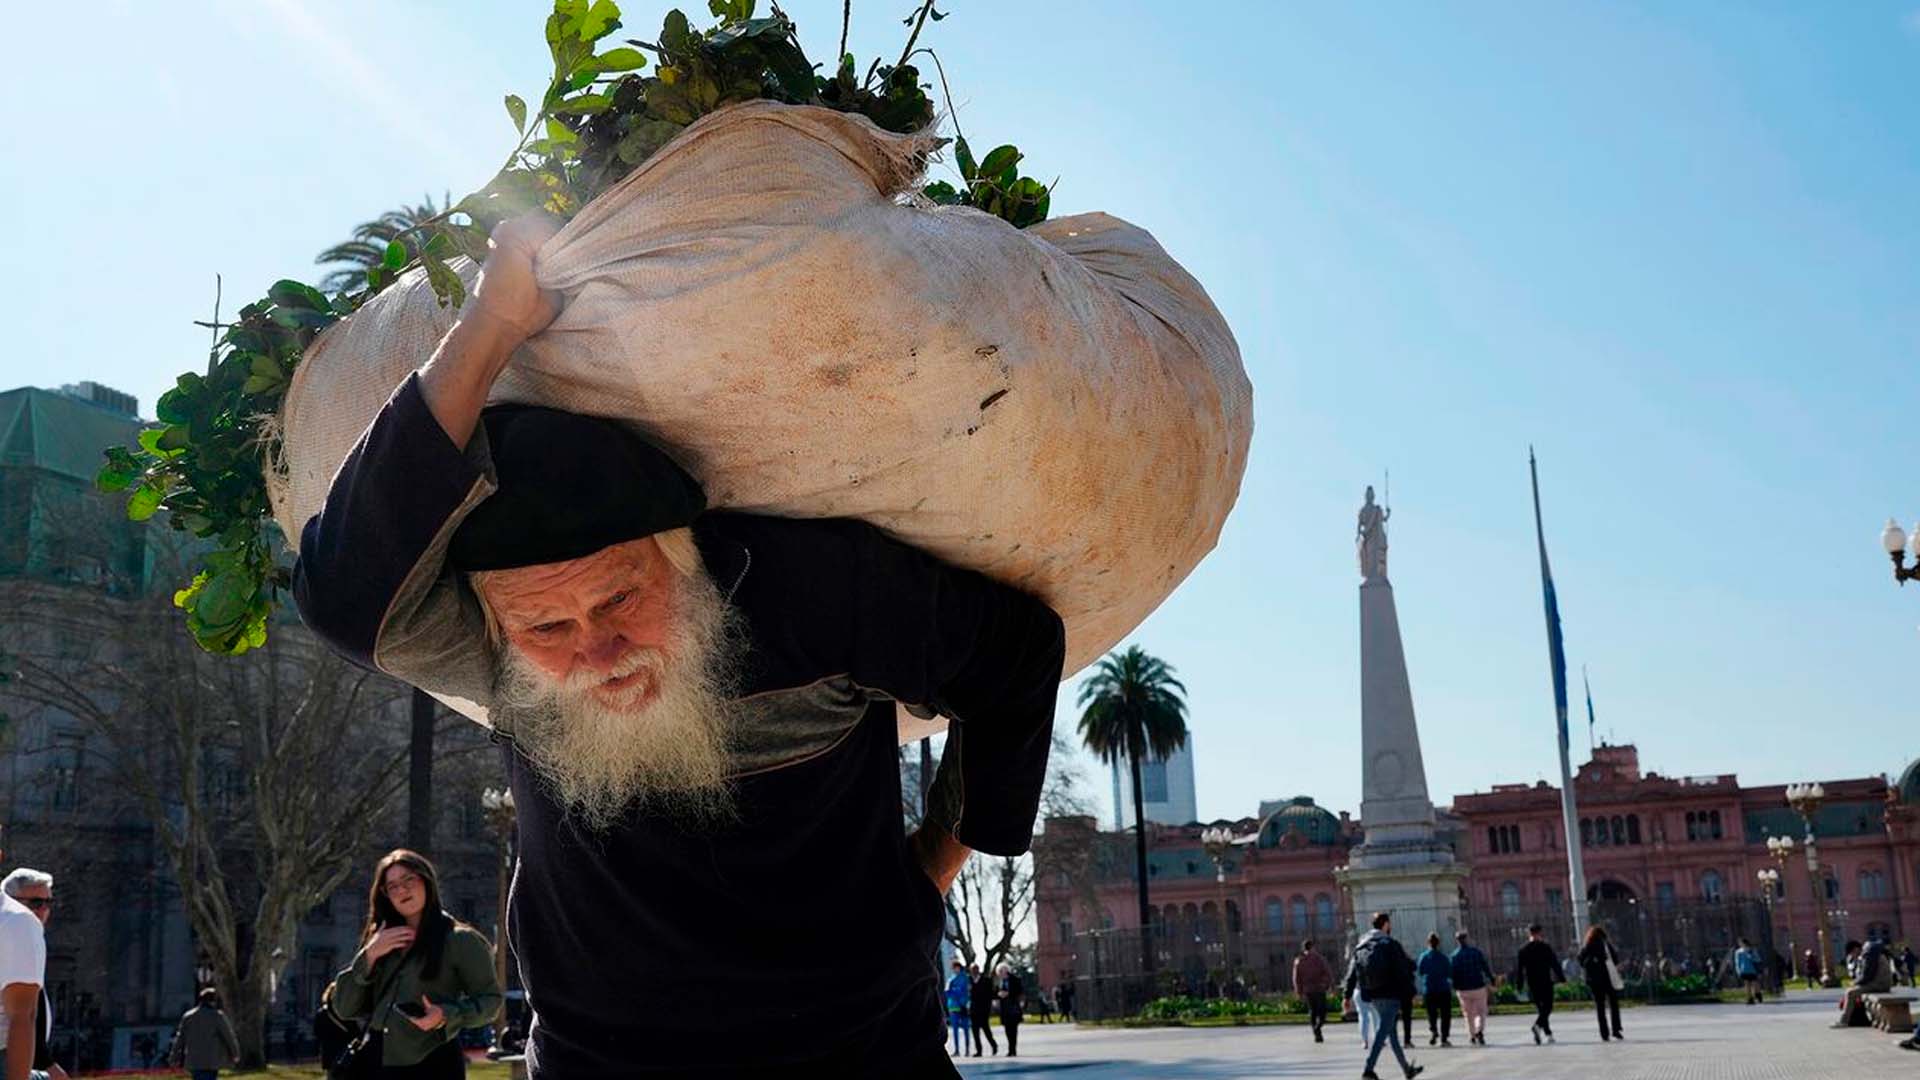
x: 1781, y: 1040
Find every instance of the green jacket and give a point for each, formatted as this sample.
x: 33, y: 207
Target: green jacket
x: 464, y: 988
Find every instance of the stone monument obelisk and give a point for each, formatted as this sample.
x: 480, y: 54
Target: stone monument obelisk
x: 1400, y: 866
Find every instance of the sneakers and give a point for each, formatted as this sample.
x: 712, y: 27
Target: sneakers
x: 1535, y: 1028
x: 1618, y: 1034
x: 1446, y: 1042
x: 1369, y: 1075
x: 1415, y: 1070
x: 1549, y: 1038
x: 1433, y: 1040
x: 1319, y: 1037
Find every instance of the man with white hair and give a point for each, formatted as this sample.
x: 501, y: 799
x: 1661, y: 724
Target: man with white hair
x: 697, y: 714
x: 26, y: 902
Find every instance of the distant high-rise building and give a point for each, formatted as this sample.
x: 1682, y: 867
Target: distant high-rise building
x: 1166, y: 789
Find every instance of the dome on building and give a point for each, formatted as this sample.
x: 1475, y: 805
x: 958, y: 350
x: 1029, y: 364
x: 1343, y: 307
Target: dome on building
x: 1909, y: 784
x: 1315, y: 824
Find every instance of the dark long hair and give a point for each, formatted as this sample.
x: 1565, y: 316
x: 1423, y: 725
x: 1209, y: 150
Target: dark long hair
x: 1594, y: 933
x: 430, y: 941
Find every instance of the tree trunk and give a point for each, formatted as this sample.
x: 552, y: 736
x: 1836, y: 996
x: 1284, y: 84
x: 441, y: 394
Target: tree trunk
x: 1140, y: 865
x: 420, y: 775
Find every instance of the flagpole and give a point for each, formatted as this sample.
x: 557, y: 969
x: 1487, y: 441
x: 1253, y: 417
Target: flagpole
x: 1557, y: 660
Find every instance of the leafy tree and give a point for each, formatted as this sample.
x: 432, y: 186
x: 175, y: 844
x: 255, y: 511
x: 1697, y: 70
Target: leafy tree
x: 1134, y: 708
x: 367, y: 246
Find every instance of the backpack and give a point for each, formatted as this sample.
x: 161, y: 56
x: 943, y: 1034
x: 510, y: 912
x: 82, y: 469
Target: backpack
x: 1380, y: 969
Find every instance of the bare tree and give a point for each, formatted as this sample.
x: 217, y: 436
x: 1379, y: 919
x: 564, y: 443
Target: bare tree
x: 262, y: 775
x: 991, y: 900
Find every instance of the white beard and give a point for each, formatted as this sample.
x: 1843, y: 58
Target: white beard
x: 604, y: 757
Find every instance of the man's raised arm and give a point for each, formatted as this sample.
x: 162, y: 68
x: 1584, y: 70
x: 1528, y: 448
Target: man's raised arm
x: 368, y: 578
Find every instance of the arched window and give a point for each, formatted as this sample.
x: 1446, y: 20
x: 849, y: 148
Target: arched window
x: 1233, y: 917
x: 1833, y: 884
x: 1323, y: 913
x: 1510, y: 900
x: 1619, y: 827
x: 1513, y: 839
x: 1633, y: 828
x: 1600, y: 837
x: 1300, y: 915
x: 1714, y: 824
x: 1873, y: 885
x: 1586, y: 832
x: 1693, y: 826
x: 1276, y: 916
x: 1493, y: 840
x: 1209, y: 927
x: 1710, y: 886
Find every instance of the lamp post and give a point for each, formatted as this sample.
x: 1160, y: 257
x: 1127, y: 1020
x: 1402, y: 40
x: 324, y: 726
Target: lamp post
x: 1780, y: 849
x: 1218, y: 840
x: 498, y: 806
x: 1805, y: 800
x: 1897, y: 543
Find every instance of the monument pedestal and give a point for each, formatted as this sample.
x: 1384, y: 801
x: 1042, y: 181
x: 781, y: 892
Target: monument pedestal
x: 1401, y: 867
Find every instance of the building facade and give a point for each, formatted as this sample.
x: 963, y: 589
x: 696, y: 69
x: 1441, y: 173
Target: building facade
x: 1653, y: 847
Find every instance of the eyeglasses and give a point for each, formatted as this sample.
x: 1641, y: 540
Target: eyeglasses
x: 401, y: 881
x: 36, y: 902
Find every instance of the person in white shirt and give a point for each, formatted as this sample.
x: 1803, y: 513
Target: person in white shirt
x: 26, y: 900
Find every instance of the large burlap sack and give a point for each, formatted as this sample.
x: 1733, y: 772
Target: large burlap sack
x: 1061, y: 408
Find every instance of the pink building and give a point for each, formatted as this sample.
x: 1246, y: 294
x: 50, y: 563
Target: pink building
x: 1663, y: 856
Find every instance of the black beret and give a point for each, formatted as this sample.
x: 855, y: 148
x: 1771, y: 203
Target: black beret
x: 569, y: 485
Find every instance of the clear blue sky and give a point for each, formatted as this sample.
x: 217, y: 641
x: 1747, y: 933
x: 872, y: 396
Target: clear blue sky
x: 1671, y: 245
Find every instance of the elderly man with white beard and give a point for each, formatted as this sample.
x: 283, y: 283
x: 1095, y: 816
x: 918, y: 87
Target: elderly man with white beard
x: 696, y: 711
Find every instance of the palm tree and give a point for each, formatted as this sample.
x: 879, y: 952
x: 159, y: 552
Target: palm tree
x: 369, y: 244
x: 367, y: 248
x: 1134, y: 708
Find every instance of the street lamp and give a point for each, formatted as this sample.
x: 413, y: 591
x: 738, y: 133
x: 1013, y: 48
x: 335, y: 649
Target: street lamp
x: 497, y: 804
x: 1780, y: 849
x: 1218, y: 840
x: 1897, y: 543
x: 1805, y: 800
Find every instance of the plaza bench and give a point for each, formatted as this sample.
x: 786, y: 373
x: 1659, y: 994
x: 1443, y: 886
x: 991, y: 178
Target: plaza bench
x: 1890, y: 1012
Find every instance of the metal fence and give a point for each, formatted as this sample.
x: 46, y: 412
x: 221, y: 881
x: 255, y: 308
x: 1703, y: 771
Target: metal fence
x: 1117, y: 972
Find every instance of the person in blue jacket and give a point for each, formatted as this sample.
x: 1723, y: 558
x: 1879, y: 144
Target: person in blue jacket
x: 1435, y: 969
x: 1472, y: 979
x: 959, y: 1003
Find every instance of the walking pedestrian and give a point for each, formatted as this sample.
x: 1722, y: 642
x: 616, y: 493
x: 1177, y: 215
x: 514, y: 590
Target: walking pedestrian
x: 1909, y: 962
x: 1363, y: 1012
x: 959, y: 1007
x: 1312, y: 978
x: 1472, y: 979
x: 1064, y: 995
x: 1810, y: 967
x: 1538, y: 969
x: 1436, y: 991
x: 1382, y: 974
x: 420, y: 978
x: 1601, y: 966
x: 204, y: 1042
x: 1013, y: 1002
x: 980, y: 1009
x: 1747, y: 964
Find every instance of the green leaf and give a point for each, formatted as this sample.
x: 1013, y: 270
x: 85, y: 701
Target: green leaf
x: 144, y: 501
x: 288, y: 293
x: 601, y: 19
x: 963, y: 156
x: 447, y: 286
x: 560, y: 134
x: 943, y: 193
x: 223, y: 600
x: 174, y: 438
x: 676, y: 36
x: 395, y: 256
x: 621, y: 59
x: 517, y: 109
x: 584, y: 105
x: 647, y: 137
x: 999, y: 161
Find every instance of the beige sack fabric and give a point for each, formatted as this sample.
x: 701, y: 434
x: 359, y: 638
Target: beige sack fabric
x: 1061, y: 408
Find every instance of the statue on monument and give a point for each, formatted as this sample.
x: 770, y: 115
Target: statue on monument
x: 1370, y: 539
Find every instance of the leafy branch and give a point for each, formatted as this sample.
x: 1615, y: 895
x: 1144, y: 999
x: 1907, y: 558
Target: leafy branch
x: 599, y: 118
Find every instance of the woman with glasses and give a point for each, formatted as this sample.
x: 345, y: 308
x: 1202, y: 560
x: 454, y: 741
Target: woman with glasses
x: 419, y: 979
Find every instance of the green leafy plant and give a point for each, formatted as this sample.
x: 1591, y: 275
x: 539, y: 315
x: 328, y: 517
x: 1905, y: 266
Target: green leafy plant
x: 603, y: 113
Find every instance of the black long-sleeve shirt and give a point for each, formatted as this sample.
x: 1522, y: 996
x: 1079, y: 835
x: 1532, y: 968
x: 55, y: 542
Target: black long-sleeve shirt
x: 655, y: 948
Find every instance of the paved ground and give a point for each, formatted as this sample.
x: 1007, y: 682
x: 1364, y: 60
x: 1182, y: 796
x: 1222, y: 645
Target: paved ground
x: 1785, y: 1040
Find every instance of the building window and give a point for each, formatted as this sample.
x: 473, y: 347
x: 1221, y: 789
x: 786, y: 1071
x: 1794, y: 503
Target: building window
x: 1066, y: 931
x: 1493, y: 840
x: 1153, y: 781
x: 1513, y: 838
x: 1276, y: 916
x: 1873, y: 885
x: 1300, y: 915
x: 1713, y: 820
x: 1663, y: 895
x: 1586, y: 832
x: 1619, y: 827
x: 1323, y: 913
x: 1633, y: 828
x: 64, y: 773
x: 1693, y: 826
x: 1510, y: 900
x: 1833, y: 885
x: 1710, y: 887
x: 1556, y: 899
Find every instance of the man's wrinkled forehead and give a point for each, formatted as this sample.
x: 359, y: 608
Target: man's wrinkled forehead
x: 561, y: 587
